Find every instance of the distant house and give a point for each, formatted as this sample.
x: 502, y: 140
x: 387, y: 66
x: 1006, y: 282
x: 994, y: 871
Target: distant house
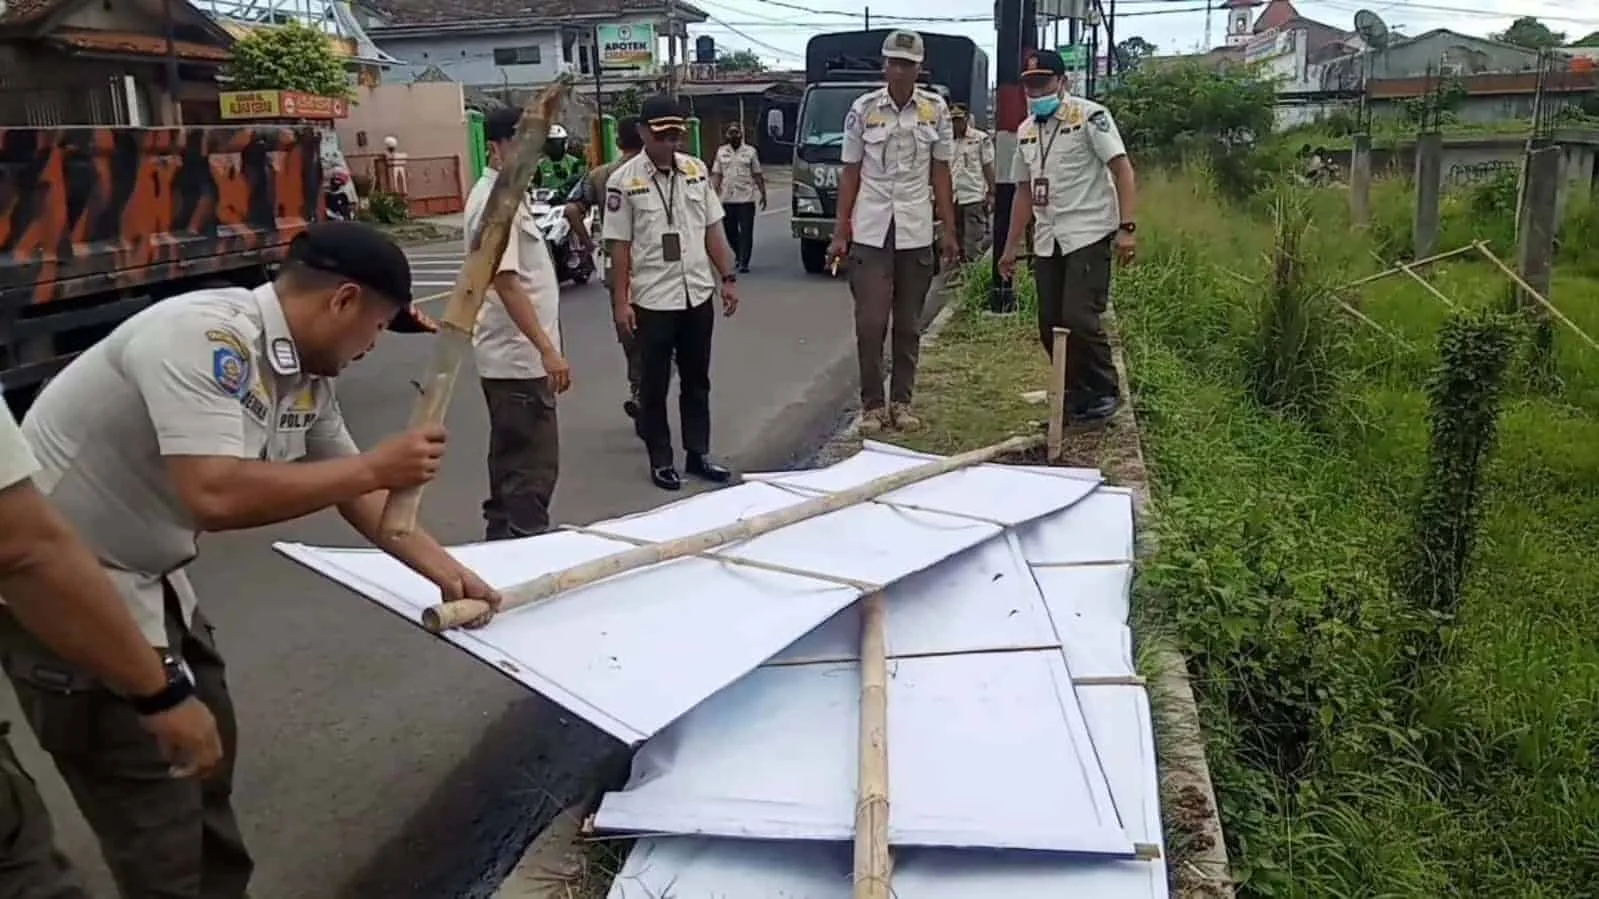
x: 507, y: 47
x: 106, y: 62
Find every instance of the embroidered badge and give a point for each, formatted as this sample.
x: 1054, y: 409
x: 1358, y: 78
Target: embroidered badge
x: 284, y: 355
x: 1101, y: 121
x: 230, y: 364
x: 852, y: 120
x: 613, y: 201
x: 1074, y: 116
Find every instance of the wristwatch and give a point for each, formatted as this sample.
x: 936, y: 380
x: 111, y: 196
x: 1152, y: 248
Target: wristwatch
x: 177, y: 690
x: 730, y: 278
x: 1129, y: 227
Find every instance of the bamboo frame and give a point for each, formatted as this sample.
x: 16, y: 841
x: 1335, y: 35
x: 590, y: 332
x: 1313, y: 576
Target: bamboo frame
x: 454, y: 614
x: 1057, y: 397
x: 1426, y: 285
x: 1537, y: 297
x: 873, y: 864
x: 454, y: 341
x: 1414, y: 263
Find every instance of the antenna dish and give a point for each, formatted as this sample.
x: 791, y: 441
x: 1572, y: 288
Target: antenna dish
x: 1371, y: 28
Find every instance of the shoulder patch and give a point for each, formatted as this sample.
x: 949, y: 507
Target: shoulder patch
x: 230, y: 362
x: 613, y: 200
x: 1100, y: 119
x: 852, y: 119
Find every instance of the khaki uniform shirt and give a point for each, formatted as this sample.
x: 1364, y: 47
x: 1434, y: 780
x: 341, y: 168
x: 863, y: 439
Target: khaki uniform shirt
x: 16, y: 460
x: 973, y: 153
x: 895, y: 148
x: 499, y: 346
x: 738, y: 167
x: 1069, y: 153
x: 208, y: 373
x: 642, y: 206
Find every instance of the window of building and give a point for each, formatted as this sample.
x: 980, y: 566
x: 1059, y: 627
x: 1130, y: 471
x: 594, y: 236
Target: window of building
x: 516, y: 56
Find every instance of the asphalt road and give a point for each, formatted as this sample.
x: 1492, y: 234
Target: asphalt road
x: 379, y: 762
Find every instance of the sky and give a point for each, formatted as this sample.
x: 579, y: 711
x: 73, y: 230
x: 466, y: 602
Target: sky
x: 776, y: 30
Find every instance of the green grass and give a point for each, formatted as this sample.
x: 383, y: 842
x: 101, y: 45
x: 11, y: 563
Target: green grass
x: 1277, y: 541
x: 1279, y: 535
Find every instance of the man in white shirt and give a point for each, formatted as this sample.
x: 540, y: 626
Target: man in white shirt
x: 1076, y: 185
x: 736, y: 176
x: 898, y: 144
x: 663, y: 230
x: 973, y: 174
x: 519, y: 362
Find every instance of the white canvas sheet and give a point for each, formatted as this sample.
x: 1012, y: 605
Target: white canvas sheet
x: 718, y: 868
x: 984, y: 599
x: 1005, y: 494
x: 633, y: 653
x: 985, y: 750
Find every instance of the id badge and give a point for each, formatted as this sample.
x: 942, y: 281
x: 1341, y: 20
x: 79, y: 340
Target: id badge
x: 672, y: 246
x: 1040, y: 192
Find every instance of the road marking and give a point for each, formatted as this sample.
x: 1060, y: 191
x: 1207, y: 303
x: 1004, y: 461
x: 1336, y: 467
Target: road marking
x: 432, y: 283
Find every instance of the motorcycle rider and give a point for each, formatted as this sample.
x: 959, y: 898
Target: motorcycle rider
x: 558, y: 170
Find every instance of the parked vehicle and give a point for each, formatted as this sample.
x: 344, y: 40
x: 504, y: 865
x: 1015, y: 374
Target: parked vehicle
x: 839, y: 68
x: 572, y: 263
x: 98, y: 223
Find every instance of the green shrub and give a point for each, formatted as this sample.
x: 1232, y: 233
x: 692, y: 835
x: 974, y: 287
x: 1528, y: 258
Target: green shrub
x: 387, y: 208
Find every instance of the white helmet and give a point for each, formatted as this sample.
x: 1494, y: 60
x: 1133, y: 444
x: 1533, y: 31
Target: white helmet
x: 556, y: 132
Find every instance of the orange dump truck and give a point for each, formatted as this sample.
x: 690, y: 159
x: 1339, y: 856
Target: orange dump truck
x: 98, y: 223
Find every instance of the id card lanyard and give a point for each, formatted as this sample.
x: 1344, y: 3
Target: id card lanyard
x: 1041, y: 182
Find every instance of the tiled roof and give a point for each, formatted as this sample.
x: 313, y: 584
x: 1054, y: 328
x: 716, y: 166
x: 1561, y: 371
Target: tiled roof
x: 19, y: 12
x: 422, y: 12
x: 135, y: 45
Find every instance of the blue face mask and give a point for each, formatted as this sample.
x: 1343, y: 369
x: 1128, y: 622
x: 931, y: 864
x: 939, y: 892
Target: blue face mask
x: 1044, y: 107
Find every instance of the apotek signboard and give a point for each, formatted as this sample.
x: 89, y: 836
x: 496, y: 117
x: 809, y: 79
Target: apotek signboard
x: 240, y: 105
x: 626, y: 49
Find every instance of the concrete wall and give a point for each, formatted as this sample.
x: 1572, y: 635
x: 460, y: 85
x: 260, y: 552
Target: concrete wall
x: 1471, y: 161
x: 428, y: 119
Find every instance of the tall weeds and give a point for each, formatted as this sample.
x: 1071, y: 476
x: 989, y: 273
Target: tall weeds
x: 1290, y: 361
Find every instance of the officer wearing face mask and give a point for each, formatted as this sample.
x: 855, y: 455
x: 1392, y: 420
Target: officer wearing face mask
x: 736, y: 176
x: 1075, y: 184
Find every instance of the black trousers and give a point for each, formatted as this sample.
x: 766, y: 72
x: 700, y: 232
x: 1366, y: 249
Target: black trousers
x: 1073, y: 293
x: 738, y: 220
x: 685, y: 334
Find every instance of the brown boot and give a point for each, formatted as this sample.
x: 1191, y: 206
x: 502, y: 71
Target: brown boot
x: 873, y: 421
x: 900, y: 417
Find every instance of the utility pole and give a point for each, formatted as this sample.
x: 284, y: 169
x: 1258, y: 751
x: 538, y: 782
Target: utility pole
x: 1112, y: 58
x: 1016, y: 22
x: 673, y: 80
x: 868, y: 14
x: 174, y: 84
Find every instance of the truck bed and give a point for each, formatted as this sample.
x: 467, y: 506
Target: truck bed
x: 96, y: 223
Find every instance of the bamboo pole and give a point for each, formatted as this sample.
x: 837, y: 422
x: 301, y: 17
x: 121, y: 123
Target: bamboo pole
x: 873, y: 864
x: 454, y: 340
x: 1537, y: 297
x: 448, y: 615
x: 1057, y: 397
x: 1414, y: 263
x: 1425, y: 284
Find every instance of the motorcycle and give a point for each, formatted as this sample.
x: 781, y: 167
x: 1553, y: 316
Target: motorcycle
x: 336, y: 197
x: 549, y: 214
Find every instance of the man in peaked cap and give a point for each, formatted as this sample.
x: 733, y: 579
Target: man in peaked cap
x: 208, y: 411
x: 663, y: 229
x: 973, y: 173
x: 1076, y: 186
x: 898, y: 145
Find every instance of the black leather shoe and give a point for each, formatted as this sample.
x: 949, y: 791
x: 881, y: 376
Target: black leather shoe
x: 666, y: 478
x: 630, y: 406
x: 702, y: 467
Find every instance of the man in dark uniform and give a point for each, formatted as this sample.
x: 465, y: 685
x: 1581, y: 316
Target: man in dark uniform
x: 589, y: 194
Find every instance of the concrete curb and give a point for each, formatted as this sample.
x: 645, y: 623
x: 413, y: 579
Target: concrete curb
x: 1189, y: 797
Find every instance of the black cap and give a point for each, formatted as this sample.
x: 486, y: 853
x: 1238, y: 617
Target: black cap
x: 501, y: 123
x: 661, y: 112
x: 957, y: 110
x: 1043, y: 62
x: 361, y: 253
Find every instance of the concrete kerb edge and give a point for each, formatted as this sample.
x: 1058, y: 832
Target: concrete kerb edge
x: 1179, y: 731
